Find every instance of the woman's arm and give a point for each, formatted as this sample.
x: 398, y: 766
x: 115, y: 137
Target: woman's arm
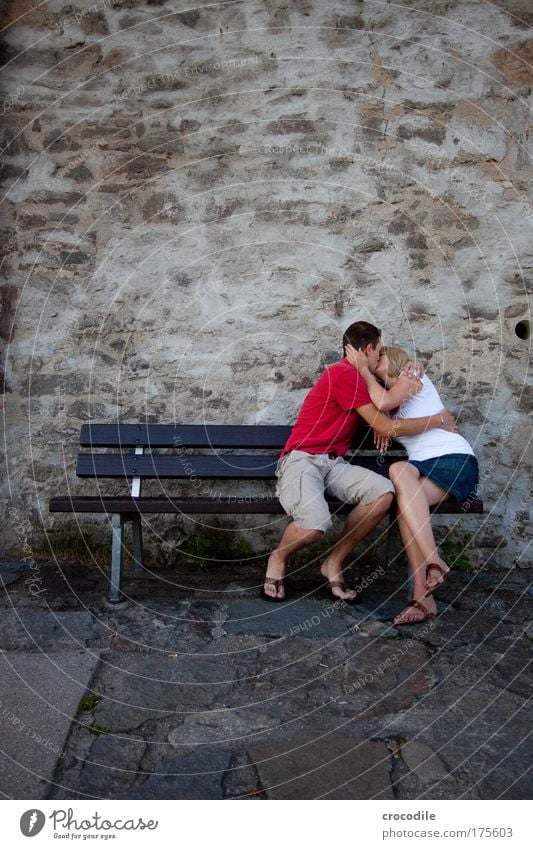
x: 384, y: 399
x: 385, y: 426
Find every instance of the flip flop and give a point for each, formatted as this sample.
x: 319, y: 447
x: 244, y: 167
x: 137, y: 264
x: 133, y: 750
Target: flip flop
x: 329, y: 586
x: 419, y: 606
x: 442, y: 571
x: 277, y: 583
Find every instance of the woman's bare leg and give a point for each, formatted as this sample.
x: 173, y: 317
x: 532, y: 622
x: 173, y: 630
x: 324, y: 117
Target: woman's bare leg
x: 417, y: 569
x: 415, y: 495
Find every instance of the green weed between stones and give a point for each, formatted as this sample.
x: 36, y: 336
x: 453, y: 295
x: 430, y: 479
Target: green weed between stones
x: 212, y: 547
x: 454, y: 550
x: 86, y: 545
x: 89, y: 702
x: 98, y: 729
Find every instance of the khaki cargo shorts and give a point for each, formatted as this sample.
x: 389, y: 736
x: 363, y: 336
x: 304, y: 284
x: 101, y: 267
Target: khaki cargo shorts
x: 304, y: 479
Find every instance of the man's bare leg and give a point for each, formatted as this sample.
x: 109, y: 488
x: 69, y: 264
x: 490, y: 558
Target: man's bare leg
x: 361, y: 520
x: 292, y: 540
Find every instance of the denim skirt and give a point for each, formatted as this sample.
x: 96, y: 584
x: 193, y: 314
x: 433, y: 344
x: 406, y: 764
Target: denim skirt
x: 456, y: 473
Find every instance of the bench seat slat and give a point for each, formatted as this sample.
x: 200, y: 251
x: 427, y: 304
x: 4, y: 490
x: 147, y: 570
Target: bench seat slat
x: 172, y: 504
x: 190, y: 504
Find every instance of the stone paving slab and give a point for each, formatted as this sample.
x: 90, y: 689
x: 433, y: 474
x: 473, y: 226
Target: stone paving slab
x: 12, y: 570
x: 46, y: 630
x: 39, y: 698
x: 198, y: 775
x: 422, y: 760
x: 327, y: 767
x: 303, y: 618
x: 138, y: 688
x: 110, y: 767
x: 482, y: 734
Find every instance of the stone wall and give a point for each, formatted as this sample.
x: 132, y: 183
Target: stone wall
x: 197, y: 203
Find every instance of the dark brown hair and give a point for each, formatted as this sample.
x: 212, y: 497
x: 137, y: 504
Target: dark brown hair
x: 360, y: 334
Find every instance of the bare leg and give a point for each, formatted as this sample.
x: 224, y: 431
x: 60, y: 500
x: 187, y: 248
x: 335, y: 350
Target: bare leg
x: 292, y: 540
x: 361, y: 520
x: 418, y: 571
x: 415, y: 495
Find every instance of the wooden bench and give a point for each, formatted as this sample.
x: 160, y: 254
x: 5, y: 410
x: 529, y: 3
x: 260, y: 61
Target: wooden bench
x: 134, y: 460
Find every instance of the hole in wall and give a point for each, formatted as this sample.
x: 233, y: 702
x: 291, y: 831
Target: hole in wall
x: 523, y: 329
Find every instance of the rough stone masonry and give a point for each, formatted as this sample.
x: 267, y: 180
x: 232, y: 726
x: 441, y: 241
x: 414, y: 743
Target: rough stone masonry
x: 197, y: 202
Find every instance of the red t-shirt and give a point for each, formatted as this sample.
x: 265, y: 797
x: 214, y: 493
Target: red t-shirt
x: 328, y: 418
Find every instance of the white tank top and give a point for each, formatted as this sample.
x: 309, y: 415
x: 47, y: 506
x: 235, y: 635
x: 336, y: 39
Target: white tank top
x: 435, y: 442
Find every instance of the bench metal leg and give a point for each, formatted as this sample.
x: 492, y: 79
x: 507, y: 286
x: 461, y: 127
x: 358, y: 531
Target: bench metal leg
x: 137, y: 535
x: 117, y: 557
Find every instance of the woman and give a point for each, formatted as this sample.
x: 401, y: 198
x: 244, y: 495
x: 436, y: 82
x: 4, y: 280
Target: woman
x: 441, y: 466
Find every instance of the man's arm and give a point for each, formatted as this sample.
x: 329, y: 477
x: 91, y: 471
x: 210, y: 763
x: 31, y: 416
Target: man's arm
x: 385, y: 426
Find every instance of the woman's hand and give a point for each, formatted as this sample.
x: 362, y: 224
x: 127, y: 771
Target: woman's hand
x: 413, y: 370
x: 356, y: 358
x: 447, y: 421
x: 381, y: 442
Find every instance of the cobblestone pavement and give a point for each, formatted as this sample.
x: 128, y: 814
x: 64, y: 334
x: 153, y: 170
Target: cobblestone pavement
x: 194, y: 688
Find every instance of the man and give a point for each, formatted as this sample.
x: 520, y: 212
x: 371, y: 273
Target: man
x: 311, y: 464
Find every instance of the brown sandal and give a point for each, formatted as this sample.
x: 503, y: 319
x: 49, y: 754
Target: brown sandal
x: 277, y: 583
x: 444, y: 575
x: 340, y: 584
x: 419, y: 606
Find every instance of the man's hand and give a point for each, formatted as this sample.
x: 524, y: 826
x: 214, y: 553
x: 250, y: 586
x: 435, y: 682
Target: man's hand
x: 356, y: 358
x: 448, y: 421
x: 413, y: 370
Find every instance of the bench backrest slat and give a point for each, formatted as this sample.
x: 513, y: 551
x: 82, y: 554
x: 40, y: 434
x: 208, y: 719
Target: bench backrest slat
x: 188, y: 466
x: 184, y: 436
x: 206, y: 436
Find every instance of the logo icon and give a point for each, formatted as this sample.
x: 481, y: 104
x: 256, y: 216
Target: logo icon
x: 32, y: 822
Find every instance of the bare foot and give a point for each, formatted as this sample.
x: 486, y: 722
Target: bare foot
x: 417, y: 611
x: 276, y: 572
x: 334, y: 576
x: 436, y: 574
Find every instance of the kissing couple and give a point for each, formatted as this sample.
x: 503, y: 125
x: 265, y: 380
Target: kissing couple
x: 380, y: 387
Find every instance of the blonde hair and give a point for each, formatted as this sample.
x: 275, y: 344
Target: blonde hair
x: 397, y: 358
